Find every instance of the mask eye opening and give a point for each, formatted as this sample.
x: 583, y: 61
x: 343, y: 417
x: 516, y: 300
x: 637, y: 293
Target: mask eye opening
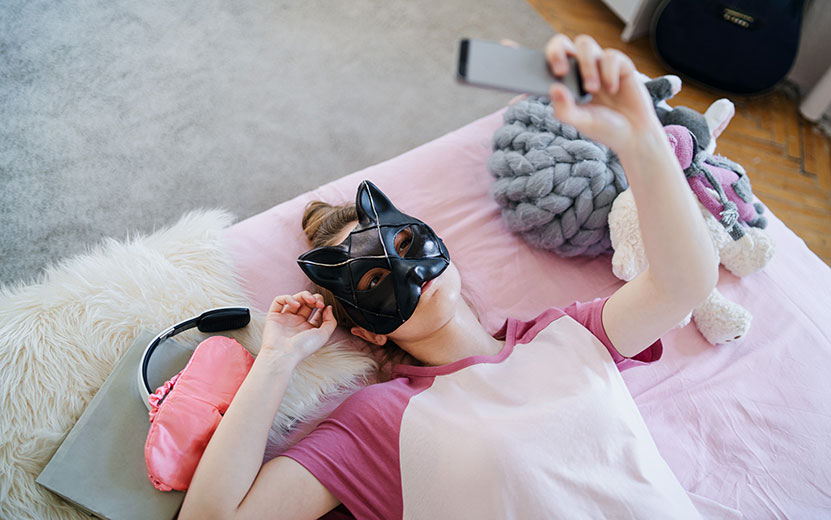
x: 372, y: 278
x: 403, y: 241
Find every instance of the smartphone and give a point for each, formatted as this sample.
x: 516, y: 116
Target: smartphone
x: 514, y: 69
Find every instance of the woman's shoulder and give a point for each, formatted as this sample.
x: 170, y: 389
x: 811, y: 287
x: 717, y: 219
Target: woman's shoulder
x: 383, y: 391
x: 386, y: 399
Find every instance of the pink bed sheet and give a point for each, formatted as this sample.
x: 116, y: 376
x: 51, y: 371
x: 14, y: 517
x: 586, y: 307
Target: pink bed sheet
x: 746, y: 424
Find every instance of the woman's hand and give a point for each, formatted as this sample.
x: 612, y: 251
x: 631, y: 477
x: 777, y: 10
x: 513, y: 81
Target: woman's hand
x: 621, y: 110
x: 289, y: 331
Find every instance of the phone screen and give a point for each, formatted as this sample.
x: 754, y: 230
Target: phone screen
x: 515, y: 69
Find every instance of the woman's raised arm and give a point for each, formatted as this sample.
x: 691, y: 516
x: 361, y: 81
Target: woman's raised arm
x: 683, y: 267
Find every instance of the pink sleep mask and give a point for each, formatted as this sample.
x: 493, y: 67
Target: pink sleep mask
x: 186, y: 410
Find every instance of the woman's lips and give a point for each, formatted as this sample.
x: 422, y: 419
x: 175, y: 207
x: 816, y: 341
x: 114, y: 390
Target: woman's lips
x: 426, y: 284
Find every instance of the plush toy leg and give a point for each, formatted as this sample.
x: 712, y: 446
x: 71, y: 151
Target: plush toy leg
x: 629, y: 258
x: 684, y: 322
x: 749, y: 254
x: 721, y: 321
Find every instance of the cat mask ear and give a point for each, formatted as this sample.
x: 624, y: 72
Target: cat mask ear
x: 327, y: 267
x: 374, y: 208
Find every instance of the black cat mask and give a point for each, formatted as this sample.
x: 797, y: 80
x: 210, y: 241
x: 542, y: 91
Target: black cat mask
x: 377, y: 273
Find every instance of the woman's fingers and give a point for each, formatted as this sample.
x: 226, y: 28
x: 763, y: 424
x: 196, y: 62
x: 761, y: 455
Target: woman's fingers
x: 610, y: 70
x: 616, y: 67
x: 282, y: 303
x: 314, y: 300
x: 322, y: 317
x: 305, y: 311
x: 589, y: 55
x: 315, y: 318
x: 301, y: 304
x: 276, y: 305
x: 600, y: 69
x: 328, y: 322
x: 557, y: 51
x: 299, y: 323
x: 306, y: 304
x: 566, y: 109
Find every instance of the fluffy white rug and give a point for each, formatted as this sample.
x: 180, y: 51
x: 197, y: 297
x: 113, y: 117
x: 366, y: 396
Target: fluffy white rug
x: 60, y: 338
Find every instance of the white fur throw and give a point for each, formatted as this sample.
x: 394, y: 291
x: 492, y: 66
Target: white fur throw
x: 61, y: 337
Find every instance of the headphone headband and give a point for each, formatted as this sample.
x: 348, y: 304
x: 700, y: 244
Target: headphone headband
x: 213, y: 320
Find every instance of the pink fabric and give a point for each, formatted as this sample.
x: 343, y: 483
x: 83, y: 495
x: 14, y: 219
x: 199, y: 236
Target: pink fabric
x: 745, y: 424
x: 355, y: 452
x: 192, y: 404
x: 682, y: 143
x: 155, y: 399
x: 589, y: 315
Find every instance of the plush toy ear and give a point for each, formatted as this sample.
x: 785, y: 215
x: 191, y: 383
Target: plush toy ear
x: 370, y: 201
x: 674, y: 83
x: 660, y: 89
x: 326, y: 266
x: 692, y: 121
x: 719, y: 115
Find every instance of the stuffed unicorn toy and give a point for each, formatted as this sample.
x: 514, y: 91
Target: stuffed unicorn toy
x: 722, y: 188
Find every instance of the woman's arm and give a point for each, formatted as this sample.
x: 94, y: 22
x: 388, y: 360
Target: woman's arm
x: 232, y: 459
x: 683, y: 266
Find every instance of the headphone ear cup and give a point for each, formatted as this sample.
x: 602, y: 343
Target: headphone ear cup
x: 225, y: 319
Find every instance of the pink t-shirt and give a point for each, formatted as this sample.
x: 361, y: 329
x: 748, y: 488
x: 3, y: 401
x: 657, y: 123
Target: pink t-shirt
x: 546, y: 428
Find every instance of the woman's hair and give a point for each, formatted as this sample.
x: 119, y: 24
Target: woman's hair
x: 322, y: 224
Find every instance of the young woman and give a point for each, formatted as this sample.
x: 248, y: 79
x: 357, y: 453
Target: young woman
x: 472, y: 432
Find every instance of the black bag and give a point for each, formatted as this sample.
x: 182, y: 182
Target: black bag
x: 738, y: 46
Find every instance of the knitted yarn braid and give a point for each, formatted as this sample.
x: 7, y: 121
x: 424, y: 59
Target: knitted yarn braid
x: 555, y: 186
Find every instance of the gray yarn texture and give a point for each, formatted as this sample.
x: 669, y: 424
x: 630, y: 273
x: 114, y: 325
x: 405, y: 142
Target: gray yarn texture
x: 555, y: 186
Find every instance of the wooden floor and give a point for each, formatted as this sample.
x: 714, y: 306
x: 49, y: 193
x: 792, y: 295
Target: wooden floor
x: 787, y: 158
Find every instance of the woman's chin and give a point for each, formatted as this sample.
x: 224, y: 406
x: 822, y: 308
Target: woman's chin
x: 442, y: 293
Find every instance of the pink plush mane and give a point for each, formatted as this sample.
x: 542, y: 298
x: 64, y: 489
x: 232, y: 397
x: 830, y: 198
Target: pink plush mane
x: 681, y: 141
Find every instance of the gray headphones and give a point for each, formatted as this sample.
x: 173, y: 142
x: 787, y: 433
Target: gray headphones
x: 213, y: 320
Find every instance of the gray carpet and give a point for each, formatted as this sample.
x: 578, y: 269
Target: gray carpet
x: 118, y: 116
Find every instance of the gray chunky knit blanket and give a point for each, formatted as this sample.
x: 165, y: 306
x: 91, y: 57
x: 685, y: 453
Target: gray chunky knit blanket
x: 555, y: 186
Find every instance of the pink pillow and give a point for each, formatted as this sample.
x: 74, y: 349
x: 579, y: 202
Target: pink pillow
x: 187, y: 409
